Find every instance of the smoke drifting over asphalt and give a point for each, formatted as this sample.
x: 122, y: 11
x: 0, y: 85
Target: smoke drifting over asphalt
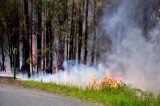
x: 132, y: 56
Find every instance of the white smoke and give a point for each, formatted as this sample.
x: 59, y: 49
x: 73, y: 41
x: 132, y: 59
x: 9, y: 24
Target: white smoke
x: 76, y: 75
x: 132, y: 56
x: 137, y: 58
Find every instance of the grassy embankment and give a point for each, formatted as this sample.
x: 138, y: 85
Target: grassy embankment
x: 121, y: 96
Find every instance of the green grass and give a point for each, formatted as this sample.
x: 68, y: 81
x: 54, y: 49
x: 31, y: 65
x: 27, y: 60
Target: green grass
x: 123, y: 96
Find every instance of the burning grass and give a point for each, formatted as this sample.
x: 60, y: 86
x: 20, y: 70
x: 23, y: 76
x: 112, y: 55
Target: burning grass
x: 119, y: 95
x: 108, y: 80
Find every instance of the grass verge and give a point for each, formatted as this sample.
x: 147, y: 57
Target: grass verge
x: 122, y: 96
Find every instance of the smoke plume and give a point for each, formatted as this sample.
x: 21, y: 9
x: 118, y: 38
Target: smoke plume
x: 137, y: 58
x: 134, y: 57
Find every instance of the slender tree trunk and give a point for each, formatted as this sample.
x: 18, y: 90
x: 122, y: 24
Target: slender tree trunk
x: 45, y: 40
x: 34, y: 35
x: 43, y: 34
x: 49, y: 44
x: 80, y: 22
x: 86, y: 34
x: 30, y: 37
x: 21, y: 34
x: 94, y: 39
x: 62, y: 39
x: 71, y: 49
x: 3, y: 58
x: 67, y: 44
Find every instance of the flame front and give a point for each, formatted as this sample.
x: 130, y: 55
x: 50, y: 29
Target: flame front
x: 108, y: 80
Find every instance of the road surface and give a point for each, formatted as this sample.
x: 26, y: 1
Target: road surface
x: 11, y: 95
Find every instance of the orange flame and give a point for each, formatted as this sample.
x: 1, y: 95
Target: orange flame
x: 108, y: 80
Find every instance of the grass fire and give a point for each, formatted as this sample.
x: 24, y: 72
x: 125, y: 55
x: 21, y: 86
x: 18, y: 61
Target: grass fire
x: 108, y: 81
x: 102, y: 51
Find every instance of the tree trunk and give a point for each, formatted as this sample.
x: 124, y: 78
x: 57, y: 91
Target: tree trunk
x: 43, y: 36
x: 49, y: 44
x: 86, y: 34
x: 30, y: 37
x: 95, y: 37
x: 71, y: 49
x: 21, y: 34
x: 80, y: 22
x: 3, y: 58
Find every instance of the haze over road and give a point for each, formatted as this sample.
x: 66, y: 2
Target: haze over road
x: 11, y: 95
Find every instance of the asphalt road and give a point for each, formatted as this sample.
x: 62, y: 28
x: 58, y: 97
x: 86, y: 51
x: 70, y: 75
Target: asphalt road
x: 11, y: 95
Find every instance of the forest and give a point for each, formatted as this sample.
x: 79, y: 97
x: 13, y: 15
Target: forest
x: 40, y: 35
